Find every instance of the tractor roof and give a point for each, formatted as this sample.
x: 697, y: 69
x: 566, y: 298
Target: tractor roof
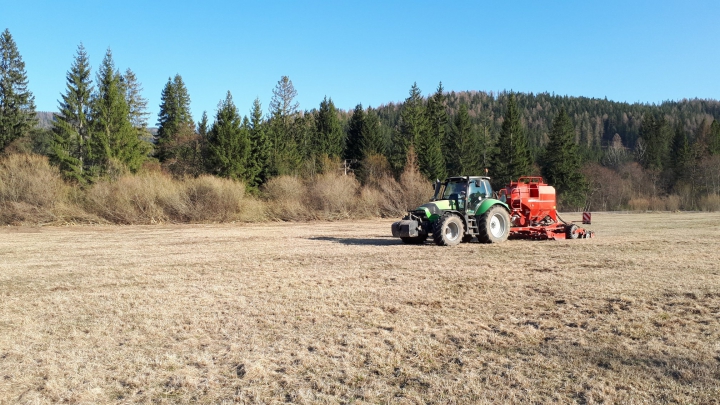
x: 456, y: 178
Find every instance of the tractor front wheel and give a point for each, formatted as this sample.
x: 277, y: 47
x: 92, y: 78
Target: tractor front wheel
x: 494, y: 225
x: 449, y: 231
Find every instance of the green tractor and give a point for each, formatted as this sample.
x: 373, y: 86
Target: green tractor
x: 461, y: 209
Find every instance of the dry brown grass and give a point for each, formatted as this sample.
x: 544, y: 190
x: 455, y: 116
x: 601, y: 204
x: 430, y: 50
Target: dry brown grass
x: 341, y: 313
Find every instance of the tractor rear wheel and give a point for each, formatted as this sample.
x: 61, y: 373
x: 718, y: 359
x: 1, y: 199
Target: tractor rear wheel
x: 449, y: 231
x: 415, y: 240
x: 494, y: 225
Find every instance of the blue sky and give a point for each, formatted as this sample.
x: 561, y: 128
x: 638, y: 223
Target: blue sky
x: 371, y: 52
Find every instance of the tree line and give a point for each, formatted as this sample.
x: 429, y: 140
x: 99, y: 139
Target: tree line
x: 101, y: 129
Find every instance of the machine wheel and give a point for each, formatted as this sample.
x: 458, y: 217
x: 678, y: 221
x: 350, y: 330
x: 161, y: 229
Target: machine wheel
x: 467, y: 238
x: 449, y: 231
x: 494, y: 225
x: 571, y: 232
x: 417, y: 240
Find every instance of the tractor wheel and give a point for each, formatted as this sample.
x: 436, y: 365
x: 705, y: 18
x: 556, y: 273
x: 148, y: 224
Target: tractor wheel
x: 571, y: 232
x: 416, y: 240
x: 494, y: 225
x: 467, y: 239
x: 449, y: 231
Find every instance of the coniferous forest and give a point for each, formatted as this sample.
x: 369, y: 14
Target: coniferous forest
x: 599, y: 154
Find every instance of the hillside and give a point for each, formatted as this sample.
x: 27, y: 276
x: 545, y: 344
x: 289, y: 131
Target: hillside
x: 596, y: 120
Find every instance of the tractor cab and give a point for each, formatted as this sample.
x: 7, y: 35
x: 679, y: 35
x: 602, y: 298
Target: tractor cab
x: 464, y: 193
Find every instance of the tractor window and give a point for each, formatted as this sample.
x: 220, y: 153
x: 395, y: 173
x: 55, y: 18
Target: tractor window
x: 454, y: 188
x: 477, y: 193
x: 488, y: 188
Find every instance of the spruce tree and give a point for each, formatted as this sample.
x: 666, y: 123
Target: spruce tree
x: 430, y: 143
x: 413, y: 124
x: 174, y: 120
x: 259, y: 160
x: 353, y: 149
x: 303, y: 133
x: 71, y: 128
x: 137, y: 104
x: 372, y: 141
x: 680, y: 154
x: 657, y: 137
x: 329, y: 134
x: 512, y: 158
x: 714, y: 141
x: 203, y: 134
x: 17, y: 104
x: 561, y: 162
x: 229, y: 142
x: 112, y: 133
x: 285, y: 157
x: 464, y: 157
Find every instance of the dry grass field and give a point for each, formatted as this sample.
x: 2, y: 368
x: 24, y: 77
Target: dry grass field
x: 339, y: 312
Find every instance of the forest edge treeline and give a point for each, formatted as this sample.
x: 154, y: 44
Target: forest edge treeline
x: 600, y: 154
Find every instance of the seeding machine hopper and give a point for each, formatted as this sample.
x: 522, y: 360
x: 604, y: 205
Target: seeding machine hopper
x: 533, y: 212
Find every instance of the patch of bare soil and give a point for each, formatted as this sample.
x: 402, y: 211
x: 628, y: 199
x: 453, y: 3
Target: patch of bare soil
x: 342, y: 313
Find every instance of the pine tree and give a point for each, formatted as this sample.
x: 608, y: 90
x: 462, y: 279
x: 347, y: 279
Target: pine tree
x: 512, y: 158
x: 17, y: 104
x: 413, y: 123
x: 329, y: 134
x: 175, y: 121
x: 259, y: 160
x: 112, y: 133
x: 71, y: 129
x: 464, y: 153
x: 430, y: 142
x: 372, y: 141
x: 285, y: 157
x: 353, y: 149
x: 561, y: 162
x: 229, y: 142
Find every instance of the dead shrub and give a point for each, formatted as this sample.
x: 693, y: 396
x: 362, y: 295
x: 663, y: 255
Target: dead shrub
x: 31, y: 191
x: 672, y: 202
x: 639, y: 204
x: 369, y: 203
x: 155, y: 197
x: 393, y: 198
x: 134, y: 199
x: 417, y: 190
x: 710, y: 203
x: 332, y: 196
x: 373, y: 168
x: 284, y: 196
x: 657, y: 204
x: 211, y: 199
x: 608, y: 191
